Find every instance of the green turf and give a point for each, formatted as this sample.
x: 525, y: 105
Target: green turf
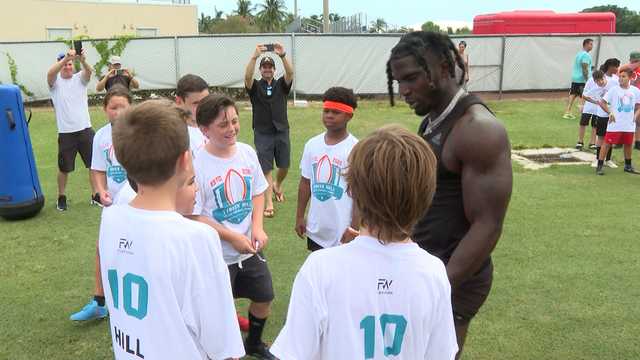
x: 565, y: 269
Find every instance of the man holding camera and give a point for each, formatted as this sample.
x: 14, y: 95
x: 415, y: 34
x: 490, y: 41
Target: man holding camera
x: 117, y: 75
x: 71, y: 104
x: 270, y: 124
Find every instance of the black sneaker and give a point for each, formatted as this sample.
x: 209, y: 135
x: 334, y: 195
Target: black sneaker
x: 61, y: 204
x: 631, y: 170
x: 599, y: 170
x: 259, y: 351
x: 579, y: 146
x: 95, y: 200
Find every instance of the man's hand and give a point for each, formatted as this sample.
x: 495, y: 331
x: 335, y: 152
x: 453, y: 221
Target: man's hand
x: 348, y: 235
x: 71, y: 55
x: 259, y: 50
x: 279, y: 49
x: 127, y: 73
x: 259, y: 238
x: 242, y: 244
x: 301, y: 227
x: 82, y: 56
x: 105, y: 198
x: 111, y: 73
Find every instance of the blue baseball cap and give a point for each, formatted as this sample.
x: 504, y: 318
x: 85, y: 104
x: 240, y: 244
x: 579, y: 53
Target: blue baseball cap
x: 60, y: 56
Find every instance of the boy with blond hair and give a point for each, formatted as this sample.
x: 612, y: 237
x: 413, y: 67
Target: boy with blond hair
x: 169, y: 295
x: 381, y: 295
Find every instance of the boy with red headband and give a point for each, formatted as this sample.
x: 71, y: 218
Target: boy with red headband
x: 330, y: 221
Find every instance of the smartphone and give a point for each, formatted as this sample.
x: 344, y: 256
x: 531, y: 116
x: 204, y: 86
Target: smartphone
x: 77, y: 45
x: 119, y: 71
x: 269, y: 47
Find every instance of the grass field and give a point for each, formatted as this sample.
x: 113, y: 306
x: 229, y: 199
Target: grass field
x: 566, y: 268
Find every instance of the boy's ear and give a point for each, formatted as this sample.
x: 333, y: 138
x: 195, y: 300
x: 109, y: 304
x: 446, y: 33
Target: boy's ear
x: 184, y: 162
x: 179, y: 100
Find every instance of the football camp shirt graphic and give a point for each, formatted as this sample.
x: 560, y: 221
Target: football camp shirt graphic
x: 114, y: 171
x: 327, y: 176
x: 232, y: 196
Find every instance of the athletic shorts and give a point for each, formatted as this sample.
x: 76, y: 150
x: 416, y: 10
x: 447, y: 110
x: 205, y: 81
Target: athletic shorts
x: 312, y: 245
x: 467, y: 298
x: 618, y: 138
x: 252, y: 281
x: 273, y: 146
x: 601, y: 125
x: 585, y: 119
x: 576, y: 89
x: 69, y: 144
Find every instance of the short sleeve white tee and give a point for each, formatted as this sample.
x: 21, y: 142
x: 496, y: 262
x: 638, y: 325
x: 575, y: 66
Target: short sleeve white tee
x: 226, y: 187
x: 103, y: 158
x: 197, y: 140
x: 366, y: 300
x: 592, y: 90
x: 125, y: 195
x: 330, y: 205
x: 71, y: 103
x: 166, y: 286
x: 622, y: 104
x: 612, y: 81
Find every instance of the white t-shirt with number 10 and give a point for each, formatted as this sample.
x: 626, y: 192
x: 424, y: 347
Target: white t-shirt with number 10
x: 166, y: 286
x: 622, y: 104
x: 330, y: 205
x: 366, y: 300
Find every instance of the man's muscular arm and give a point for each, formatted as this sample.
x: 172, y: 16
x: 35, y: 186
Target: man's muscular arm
x: 483, y: 152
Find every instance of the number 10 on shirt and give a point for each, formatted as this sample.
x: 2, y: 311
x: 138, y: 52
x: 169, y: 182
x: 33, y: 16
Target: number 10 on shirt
x: 368, y: 324
x: 140, y: 311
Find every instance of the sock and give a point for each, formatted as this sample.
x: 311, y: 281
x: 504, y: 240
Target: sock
x: 637, y: 144
x: 256, y: 326
x: 627, y: 162
x: 609, y: 153
x: 99, y: 299
x: 598, y: 151
x: 600, y: 164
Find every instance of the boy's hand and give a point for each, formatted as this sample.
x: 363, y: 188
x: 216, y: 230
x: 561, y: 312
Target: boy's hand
x: 105, y: 198
x: 348, y: 235
x: 259, y: 239
x: 612, y: 118
x: 242, y: 244
x: 301, y: 227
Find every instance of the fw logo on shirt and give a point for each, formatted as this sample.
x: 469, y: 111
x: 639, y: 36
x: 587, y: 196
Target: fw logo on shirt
x: 233, y: 198
x: 115, y: 172
x: 326, y: 180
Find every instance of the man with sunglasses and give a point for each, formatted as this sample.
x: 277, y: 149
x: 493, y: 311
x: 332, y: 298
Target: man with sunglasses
x: 268, y: 97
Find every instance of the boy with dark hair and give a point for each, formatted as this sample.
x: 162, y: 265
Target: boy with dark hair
x: 325, y: 158
x: 380, y: 295
x: 621, y: 103
x: 231, y: 200
x: 190, y: 90
x: 593, y: 92
x: 170, y: 296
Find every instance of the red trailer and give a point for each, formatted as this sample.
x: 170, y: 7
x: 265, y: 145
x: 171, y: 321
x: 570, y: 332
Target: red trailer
x: 544, y: 22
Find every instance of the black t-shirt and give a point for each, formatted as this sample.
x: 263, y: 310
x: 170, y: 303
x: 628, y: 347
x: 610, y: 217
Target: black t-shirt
x: 269, y: 104
x: 118, y: 79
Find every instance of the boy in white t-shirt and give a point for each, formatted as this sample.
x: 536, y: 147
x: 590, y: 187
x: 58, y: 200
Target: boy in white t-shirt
x: 190, y: 90
x: 231, y: 199
x: 108, y: 178
x: 593, y: 91
x: 610, y: 69
x: 381, y: 295
x: 622, y: 104
x: 325, y: 158
x: 169, y: 294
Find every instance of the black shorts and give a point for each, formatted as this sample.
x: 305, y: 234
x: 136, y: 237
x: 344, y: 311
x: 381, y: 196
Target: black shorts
x: 69, y: 144
x: 585, y: 119
x: 601, y: 125
x: 252, y: 281
x: 312, y: 245
x: 576, y: 89
x: 467, y: 298
x: 270, y: 146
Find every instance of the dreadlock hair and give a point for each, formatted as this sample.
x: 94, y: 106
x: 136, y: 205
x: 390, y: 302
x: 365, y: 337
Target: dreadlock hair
x: 417, y: 44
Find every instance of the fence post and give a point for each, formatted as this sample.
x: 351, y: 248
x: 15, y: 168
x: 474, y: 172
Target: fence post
x: 176, y: 57
x: 598, y: 52
x: 504, y: 43
x: 293, y: 64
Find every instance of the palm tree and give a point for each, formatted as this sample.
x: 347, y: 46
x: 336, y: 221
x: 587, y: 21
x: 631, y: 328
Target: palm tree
x: 272, y: 16
x: 378, y: 26
x: 245, y: 9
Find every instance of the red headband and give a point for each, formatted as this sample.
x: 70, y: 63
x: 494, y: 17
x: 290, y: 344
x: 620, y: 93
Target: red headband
x: 334, y: 105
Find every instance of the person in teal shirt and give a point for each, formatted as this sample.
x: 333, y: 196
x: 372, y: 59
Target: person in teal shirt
x: 580, y: 74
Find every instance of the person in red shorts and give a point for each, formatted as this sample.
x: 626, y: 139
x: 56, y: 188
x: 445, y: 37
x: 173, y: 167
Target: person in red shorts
x: 634, y: 65
x: 622, y: 103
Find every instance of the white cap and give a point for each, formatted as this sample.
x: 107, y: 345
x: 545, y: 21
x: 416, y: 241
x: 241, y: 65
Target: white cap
x: 114, y: 60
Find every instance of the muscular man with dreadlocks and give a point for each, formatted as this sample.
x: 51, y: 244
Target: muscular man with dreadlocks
x: 474, y: 177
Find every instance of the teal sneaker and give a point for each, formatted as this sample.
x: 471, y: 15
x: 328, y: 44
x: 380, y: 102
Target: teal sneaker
x: 91, y: 311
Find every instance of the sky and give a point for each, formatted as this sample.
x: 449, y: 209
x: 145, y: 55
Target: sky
x: 415, y: 12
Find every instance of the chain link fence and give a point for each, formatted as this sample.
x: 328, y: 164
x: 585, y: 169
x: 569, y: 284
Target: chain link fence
x: 357, y: 61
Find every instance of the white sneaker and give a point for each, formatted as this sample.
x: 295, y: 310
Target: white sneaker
x: 594, y: 164
x: 611, y: 164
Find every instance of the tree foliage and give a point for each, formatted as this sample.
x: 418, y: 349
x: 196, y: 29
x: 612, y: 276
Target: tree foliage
x: 627, y: 21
